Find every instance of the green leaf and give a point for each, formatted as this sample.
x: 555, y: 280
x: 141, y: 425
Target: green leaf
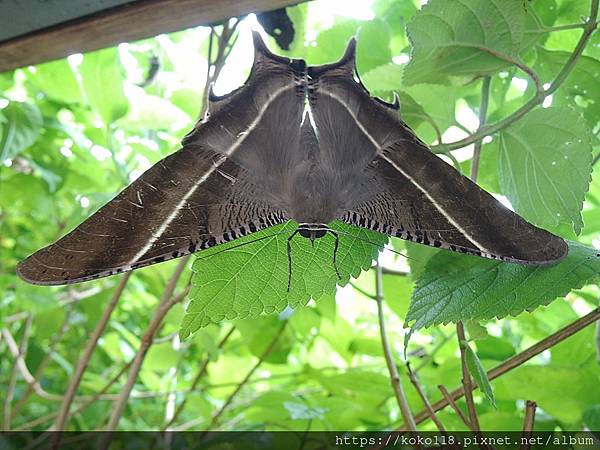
x: 460, y: 38
x: 479, y: 374
x: 591, y: 417
x: 22, y: 123
x: 563, y: 392
x: 496, y: 348
x: 252, y: 279
x: 457, y: 287
x: 545, y: 166
x: 373, y: 45
x: 57, y: 80
x: 577, y: 90
x: 102, y: 78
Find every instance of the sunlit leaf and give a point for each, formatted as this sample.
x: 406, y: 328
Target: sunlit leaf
x: 252, y: 279
x: 457, y: 287
x: 463, y: 38
x: 545, y: 166
x: 102, y: 78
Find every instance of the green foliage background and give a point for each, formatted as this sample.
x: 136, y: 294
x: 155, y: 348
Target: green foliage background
x: 74, y: 132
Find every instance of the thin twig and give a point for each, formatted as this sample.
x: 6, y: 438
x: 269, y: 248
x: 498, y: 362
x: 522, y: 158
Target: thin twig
x: 45, y: 360
x: 588, y: 29
x: 215, y: 419
x: 466, y: 377
x: 166, y: 303
x: 22, y: 367
x: 89, y: 401
x: 519, y: 359
x: 83, y: 362
x: 414, y: 380
x: 448, y: 397
x: 19, y: 358
x: 485, y: 100
x: 528, y: 423
x: 407, y: 415
x: 197, y: 378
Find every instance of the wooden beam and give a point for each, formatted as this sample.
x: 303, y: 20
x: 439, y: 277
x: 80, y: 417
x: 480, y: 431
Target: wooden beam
x: 129, y: 22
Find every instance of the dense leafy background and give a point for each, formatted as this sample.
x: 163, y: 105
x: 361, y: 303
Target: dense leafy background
x: 74, y: 132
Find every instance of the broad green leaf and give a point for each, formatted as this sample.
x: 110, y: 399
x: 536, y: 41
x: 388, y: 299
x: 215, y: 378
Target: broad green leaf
x: 373, y: 46
x: 332, y: 42
x: 545, y: 166
x: 57, y: 80
x: 252, y: 279
x: 102, y: 78
x: 479, y: 374
x: 458, y: 287
x: 21, y: 125
x: 462, y: 39
x: 384, y: 78
x: 578, y: 89
x: 564, y: 392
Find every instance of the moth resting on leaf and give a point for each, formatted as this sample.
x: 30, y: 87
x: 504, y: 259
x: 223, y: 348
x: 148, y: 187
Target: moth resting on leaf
x: 298, y: 142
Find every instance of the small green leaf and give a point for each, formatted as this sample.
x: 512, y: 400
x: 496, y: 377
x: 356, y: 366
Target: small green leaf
x: 479, y: 374
x: 461, y: 39
x: 251, y: 279
x: 457, y: 287
x: 102, y: 77
x: 475, y: 330
x: 21, y: 124
x: 545, y: 166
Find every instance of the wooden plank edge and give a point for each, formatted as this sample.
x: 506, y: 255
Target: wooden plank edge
x: 130, y: 22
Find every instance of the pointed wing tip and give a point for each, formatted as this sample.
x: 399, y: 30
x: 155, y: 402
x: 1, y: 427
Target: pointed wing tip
x: 29, y: 274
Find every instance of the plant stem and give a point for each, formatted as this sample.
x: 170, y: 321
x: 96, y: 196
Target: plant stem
x: 454, y: 406
x: 197, y: 378
x: 82, y: 364
x: 19, y: 360
x: 414, y: 380
x: 42, y: 366
x: 166, y: 302
x: 215, y: 419
x: 588, y: 28
x: 389, y: 359
x: 97, y: 396
x: 519, y: 359
x: 528, y: 423
x: 466, y: 377
x: 485, y: 100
